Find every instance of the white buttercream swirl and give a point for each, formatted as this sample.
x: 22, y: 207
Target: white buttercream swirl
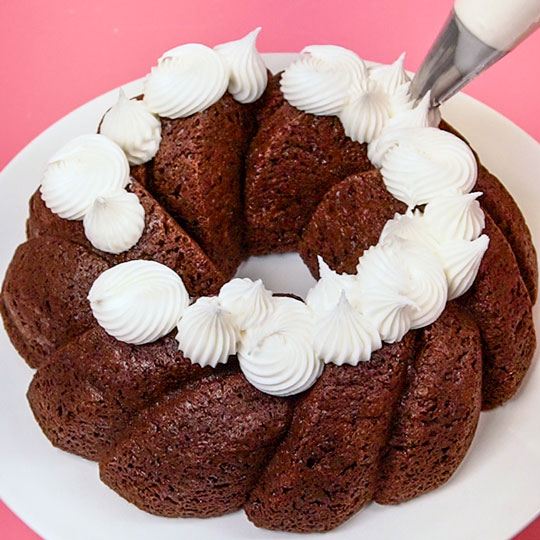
x: 350, y: 65
x: 138, y: 301
x: 320, y: 81
x: 187, y: 80
x: 344, y: 336
x: 134, y: 128
x: 422, y: 115
x: 425, y: 162
x: 115, y: 222
x: 404, y: 269
x: 278, y: 357
x: 313, y: 86
x: 325, y: 294
x: 461, y: 260
x: 249, y: 302
x: 366, y: 113
x: 84, y: 169
x: 207, y: 334
x: 455, y: 216
x: 393, y: 80
x: 248, y: 75
x: 409, y: 226
x: 390, y: 77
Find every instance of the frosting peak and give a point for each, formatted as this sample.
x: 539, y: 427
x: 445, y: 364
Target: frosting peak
x: 247, y: 73
x: 115, y: 222
x: 343, y: 336
x: 325, y: 294
x: 248, y: 301
x: 134, y: 128
x: 366, y: 113
x: 391, y: 77
x: 207, y: 334
x: 402, y: 270
x: 455, y: 216
x: 312, y: 85
x: 188, y: 79
x: 424, y: 162
x: 461, y: 261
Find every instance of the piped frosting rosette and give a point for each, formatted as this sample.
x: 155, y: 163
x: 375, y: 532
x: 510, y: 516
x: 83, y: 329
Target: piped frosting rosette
x: 138, y: 301
x: 86, y: 180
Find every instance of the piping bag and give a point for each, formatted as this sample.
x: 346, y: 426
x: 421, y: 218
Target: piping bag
x: 477, y: 34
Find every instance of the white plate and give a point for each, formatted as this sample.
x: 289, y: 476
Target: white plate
x: 492, y: 496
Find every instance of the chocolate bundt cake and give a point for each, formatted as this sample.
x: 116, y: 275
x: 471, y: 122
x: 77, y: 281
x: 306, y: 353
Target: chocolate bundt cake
x: 300, y: 413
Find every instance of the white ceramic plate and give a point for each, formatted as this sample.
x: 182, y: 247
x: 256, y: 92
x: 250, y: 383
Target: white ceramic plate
x: 492, y: 496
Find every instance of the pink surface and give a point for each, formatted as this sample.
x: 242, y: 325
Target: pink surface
x: 57, y: 55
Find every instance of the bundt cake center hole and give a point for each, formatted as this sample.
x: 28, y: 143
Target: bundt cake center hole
x: 281, y: 273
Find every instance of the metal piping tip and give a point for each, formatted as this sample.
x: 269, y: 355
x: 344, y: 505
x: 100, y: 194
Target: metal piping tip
x: 455, y: 59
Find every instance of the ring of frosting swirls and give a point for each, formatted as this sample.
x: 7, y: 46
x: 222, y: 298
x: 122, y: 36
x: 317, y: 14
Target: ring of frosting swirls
x: 207, y: 334
x: 425, y: 257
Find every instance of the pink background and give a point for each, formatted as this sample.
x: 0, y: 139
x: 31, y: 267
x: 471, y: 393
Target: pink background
x: 56, y: 55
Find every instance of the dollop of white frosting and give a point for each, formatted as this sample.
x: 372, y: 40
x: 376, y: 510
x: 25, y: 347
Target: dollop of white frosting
x: 390, y: 312
x: 207, y: 334
x: 320, y: 81
x: 404, y: 269
x: 187, y: 80
x: 390, y: 77
x: 115, y: 222
x: 366, y: 113
x: 87, y: 167
x: 134, y: 128
x: 248, y: 75
x: 325, y: 294
x: 409, y: 226
x: 278, y: 357
x: 138, y: 301
x: 425, y: 162
x: 461, y: 260
x: 249, y: 302
x: 349, y: 64
x: 420, y: 116
x: 455, y: 216
x: 315, y: 87
x: 344, y: 336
